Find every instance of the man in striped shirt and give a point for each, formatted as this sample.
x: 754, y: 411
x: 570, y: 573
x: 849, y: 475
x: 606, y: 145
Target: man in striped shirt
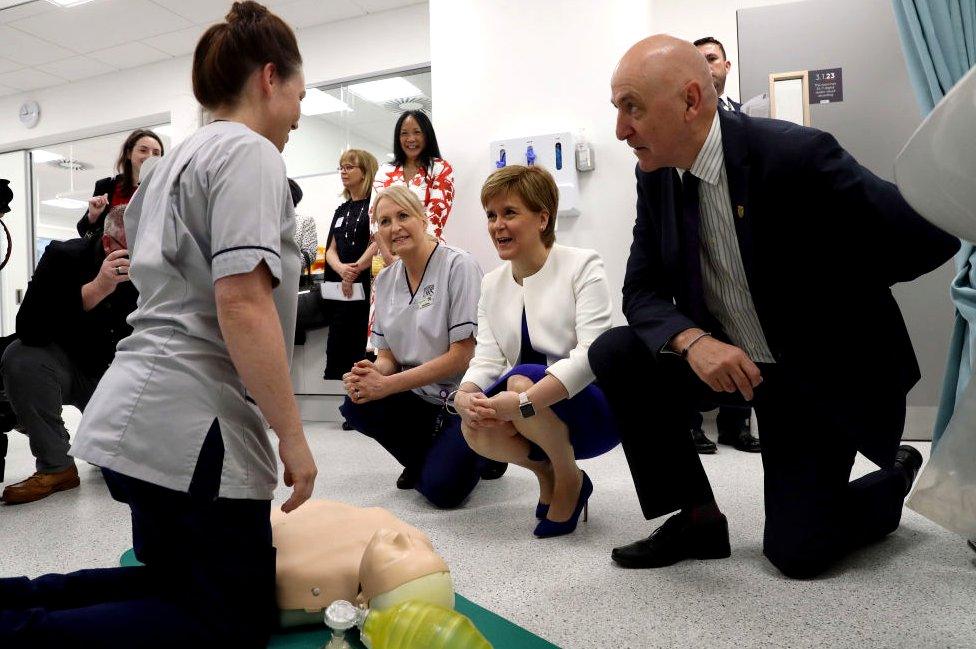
x: 749, y: 282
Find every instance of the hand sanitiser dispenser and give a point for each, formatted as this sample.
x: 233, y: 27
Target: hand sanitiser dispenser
x: 555, y: 152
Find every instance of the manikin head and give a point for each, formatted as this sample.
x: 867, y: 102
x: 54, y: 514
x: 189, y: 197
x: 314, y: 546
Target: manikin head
x: 398, y: 566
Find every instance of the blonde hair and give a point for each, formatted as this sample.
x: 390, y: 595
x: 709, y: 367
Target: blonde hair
x: 405, y: 200
x: 366, y: 163
x: 534, y: 185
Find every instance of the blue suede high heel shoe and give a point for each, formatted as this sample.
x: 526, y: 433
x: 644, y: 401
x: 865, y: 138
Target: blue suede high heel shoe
x: 541, y: 509
x: 547, y: 528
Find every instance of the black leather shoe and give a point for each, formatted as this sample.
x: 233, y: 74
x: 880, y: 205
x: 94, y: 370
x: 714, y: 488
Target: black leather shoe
x: 676, y: 540
x: 909, y: 460
x: 740, y: 437
x: 703, y: 445
x: 492, y: 470
x: 407, y: 480
x: 346, y: 425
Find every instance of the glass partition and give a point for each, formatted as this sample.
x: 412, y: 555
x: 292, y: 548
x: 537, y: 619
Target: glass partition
x: 357, y: 114
x: 64, y: 177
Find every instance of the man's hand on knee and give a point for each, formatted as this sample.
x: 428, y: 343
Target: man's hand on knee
x: 723, y: 367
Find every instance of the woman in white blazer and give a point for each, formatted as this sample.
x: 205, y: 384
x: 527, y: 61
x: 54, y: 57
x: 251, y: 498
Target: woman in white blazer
x: 528, y: 396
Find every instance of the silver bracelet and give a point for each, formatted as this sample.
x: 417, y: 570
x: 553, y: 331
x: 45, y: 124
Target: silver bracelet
x: 684, y: 352
x: 449, y: 403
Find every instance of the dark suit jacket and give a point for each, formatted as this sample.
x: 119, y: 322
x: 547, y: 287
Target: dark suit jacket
x: 52, y: 310
x: 104, y: 186
x: 822, y: 241
x: 736, y: 105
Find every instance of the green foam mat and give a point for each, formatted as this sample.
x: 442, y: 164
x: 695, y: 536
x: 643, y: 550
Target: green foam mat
x: 501, y: 633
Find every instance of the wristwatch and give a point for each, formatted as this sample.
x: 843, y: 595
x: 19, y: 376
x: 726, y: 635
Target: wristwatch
x: 525, y: 406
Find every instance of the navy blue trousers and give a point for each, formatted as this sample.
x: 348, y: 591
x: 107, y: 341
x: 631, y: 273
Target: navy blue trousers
x: 209, y: 577
x: 425, y: 439
x: 815, y: 513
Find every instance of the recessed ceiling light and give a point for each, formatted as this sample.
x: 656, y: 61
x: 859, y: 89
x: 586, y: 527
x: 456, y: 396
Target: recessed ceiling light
x: 385, y: 89
x: 40, y: 156
x: 317, y: 102
x: 68, y: 3
x: 65, y: 203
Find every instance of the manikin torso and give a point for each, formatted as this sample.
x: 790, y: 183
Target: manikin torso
x: 326, y: 549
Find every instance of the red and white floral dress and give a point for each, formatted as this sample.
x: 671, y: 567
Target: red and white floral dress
x: 435, y: 191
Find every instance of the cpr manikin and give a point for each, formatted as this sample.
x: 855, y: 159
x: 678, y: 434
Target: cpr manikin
x: 325, y: 549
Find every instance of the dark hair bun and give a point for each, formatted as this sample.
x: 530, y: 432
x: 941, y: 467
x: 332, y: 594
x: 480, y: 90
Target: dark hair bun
x: 245, y: 12
x: 230, y: 51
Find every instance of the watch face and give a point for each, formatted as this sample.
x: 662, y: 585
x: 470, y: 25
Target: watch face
x: 527, y: 410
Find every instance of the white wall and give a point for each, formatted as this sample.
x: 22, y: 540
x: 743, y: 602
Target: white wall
x: 385, y: 41
x: 694, y: 19
x: 495, y: 77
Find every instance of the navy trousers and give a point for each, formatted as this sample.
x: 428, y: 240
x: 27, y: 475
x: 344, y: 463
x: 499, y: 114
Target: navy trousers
x: 208, y: 579
x: 815, y: 513
x: 425, y: 439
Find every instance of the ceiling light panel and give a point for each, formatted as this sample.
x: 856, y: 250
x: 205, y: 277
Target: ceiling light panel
x: 318, y: 102
x: 68, y: 3
x: 65, y: 203
x: 385, y: 90
x: 40, y: 156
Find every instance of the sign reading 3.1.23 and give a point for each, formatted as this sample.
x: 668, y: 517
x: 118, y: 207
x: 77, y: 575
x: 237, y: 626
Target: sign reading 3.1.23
x: 826, y: 86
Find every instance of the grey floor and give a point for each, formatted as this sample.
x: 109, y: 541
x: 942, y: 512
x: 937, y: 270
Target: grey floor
x: 915, y: 589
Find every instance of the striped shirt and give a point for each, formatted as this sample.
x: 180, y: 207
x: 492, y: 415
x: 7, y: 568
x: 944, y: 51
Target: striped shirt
x: 727, y: 295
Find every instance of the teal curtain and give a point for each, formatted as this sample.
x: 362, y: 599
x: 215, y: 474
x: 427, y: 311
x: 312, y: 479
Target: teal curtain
x: 939, y: 41
x: 938, y: 38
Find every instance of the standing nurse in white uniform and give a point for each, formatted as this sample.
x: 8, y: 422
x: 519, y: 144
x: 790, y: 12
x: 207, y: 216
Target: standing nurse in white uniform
x: 173, y: 423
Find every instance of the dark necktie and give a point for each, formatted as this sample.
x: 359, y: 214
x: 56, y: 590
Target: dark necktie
x: 691, y: 247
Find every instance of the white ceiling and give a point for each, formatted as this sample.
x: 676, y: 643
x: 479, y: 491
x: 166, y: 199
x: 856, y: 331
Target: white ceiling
x: 43, y: 45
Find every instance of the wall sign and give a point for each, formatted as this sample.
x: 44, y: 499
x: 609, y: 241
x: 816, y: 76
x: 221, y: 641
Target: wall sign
x: 826, y: 86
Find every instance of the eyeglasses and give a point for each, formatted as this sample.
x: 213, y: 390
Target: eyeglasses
x: 346, y: 168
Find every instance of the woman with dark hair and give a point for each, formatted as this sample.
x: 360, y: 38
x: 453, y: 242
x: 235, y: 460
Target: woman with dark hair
x: 141, y: 145
x: 177, y: 421
x: 417, y: 163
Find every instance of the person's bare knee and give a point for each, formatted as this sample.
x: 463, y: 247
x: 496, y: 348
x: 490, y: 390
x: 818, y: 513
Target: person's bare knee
x: 475, y: 438
x: 519, y: 383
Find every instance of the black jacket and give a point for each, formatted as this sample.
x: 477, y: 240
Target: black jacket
x: 52, y: 310
x: 822, y: 241
x: 104, y: 186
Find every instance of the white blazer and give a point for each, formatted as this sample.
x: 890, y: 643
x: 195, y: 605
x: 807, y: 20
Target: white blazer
x: 567, y: 305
